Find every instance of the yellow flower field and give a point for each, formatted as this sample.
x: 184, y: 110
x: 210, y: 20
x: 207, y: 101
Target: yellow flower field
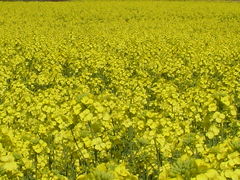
x: 120, y: 90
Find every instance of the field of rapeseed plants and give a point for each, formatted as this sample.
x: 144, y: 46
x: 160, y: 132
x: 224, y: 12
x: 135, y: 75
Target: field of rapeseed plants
x: 120, y: 90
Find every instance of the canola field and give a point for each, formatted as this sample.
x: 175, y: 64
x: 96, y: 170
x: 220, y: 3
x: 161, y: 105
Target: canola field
x: 120, y: 90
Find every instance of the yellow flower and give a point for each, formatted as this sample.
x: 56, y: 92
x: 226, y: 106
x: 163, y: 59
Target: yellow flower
x: 213, y: 131
x: 108, y: 145
x: 40, y: 146
x: 77, y: 109
x: 85, y: 154
x: 86, y: 100
x: 233, y: 110
x: 88, y: 117
x: 87, y: 142
x: 82, y: 177
x: 224, y: 165
x: 10, y: 166
x: 210, y: 135
x: 98, y: 144
x: 133, y: 110
x: 212, y: 107
x: 212, y: 174
x: 7, y: 162
x: 201, y: 177
x: 219, y: 117
x: 121, y: 170
x: 202, y: 164
x: 6, y: 158
x: 229, y: 173
x: 98, y: 107
x: 102, y: 167
x: 226, y: 100
x: 37, y: 148
x: 106, y: 117
x: 237, y: 172
x: 140, y: 124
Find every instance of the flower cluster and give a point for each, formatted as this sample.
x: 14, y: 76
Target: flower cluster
x: 119, y: 90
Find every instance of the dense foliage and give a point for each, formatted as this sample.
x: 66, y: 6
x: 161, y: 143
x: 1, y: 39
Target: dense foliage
x: 119, y: 90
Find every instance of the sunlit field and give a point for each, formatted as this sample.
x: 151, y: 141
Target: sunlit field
x: 120, y: 90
